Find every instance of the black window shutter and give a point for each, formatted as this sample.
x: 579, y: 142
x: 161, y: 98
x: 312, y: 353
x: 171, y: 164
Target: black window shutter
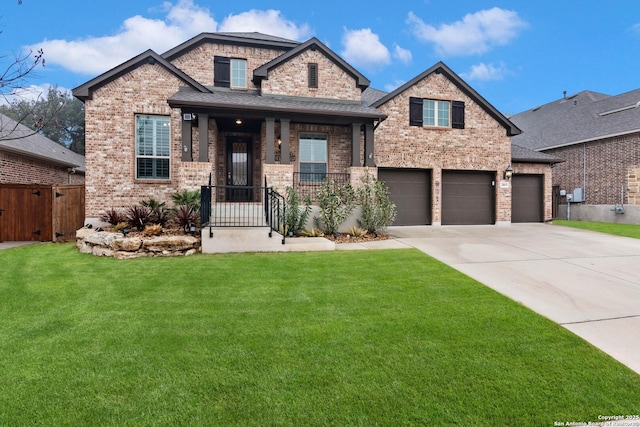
x: 221, y: 71
x: 415, y: 111
x: 457, y: 115
x: 313, y: 75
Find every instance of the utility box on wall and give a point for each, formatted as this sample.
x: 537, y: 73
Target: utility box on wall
x: 578, y: 195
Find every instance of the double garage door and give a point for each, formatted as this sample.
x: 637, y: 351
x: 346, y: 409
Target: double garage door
x: 467, y: 196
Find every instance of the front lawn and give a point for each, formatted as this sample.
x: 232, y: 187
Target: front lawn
x: 626, y: 230
x: 302, y: 339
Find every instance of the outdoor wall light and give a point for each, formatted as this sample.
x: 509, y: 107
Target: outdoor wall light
x: 508, y: 172
x: 238, y: 121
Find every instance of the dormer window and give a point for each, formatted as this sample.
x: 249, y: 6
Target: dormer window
x: 312, y: 69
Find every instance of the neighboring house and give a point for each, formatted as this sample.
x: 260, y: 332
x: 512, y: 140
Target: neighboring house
x: 30, y: 158
x: 244, y: 107
x: 598, y: 137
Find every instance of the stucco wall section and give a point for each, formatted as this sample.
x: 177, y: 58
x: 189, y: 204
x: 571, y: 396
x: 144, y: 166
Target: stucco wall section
x: 110, y: 140
x: 482, y: 145
x: 291, y: 78
x: 198, y: 62
x: 600, y: 167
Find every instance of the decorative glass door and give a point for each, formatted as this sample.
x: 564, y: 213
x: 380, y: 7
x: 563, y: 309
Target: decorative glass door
x: 239, y: 169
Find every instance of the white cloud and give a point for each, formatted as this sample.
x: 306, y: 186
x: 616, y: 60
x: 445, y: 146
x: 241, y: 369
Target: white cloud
x: 476, y: 33
x: 635, y: 28
x: 94, y: 55
x: 404, y: 55
x: 363, y: 48
x: 265, y: 21
x: 390, y: 87
x: 485, y: 72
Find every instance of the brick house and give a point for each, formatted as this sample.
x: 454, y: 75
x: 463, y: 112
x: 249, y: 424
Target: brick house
x: 30, y: 158
x: 239, y: 108
x: 598, y: 137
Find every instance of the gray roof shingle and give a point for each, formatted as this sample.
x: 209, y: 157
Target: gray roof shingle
x: 252, y: 100
x: 578, y: 118
x: 19, y: 139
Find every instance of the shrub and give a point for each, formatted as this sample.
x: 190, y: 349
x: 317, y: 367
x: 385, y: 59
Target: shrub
x: 336, y: 202
x: 378, y: 211
x: 187, y: 197
x: 314, y: 232
x: 296, y: 215
x: 160, y: 214
x: 357, y: 232
x: 186, y: 216
x: 113, y: 216
x: 152, y: 230
x: 138, y: 216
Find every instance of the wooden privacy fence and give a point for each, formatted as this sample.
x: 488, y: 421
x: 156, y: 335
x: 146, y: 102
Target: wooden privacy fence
x: 46, y: 213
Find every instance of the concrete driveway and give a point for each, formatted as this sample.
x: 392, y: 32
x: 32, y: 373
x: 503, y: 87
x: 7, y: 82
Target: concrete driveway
x: 587, y: 282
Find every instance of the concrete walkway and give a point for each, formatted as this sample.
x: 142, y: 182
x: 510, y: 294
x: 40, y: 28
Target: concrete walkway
x: 585, y: 281
x: 9, y: 245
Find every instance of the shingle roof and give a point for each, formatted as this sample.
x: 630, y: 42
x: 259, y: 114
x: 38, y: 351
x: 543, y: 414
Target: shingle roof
x: 579, y: 118
x: 524, y: 155
x: 19, y: 139
x: 253, y: 101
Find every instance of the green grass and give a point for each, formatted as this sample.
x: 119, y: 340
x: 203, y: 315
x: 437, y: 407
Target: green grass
x: 626, y: 230
x: 342, y: 338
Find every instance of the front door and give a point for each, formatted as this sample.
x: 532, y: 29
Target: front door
x: 239, y: 177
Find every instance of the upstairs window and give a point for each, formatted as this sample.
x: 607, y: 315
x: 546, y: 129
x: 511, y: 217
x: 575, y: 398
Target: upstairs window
x: 228, y: 72
x: 436, y: 113
x: 239, y: 73
x: 313, y: 157
x: 312, y: 70
x: 152, y: 147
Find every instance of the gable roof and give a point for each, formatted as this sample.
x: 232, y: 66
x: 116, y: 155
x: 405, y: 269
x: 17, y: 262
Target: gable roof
x: 441, y: 68
x: 254, y: 39
x: 314, y: 44
x: 18, y: 139
x: 85, y: 91
x: 582, y: 117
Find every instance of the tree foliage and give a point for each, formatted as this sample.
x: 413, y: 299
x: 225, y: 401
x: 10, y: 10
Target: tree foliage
x: 58, y: 116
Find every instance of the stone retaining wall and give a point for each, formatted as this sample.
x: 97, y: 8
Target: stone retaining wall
x: 105, y: 243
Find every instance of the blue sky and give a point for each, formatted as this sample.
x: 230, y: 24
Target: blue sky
x: 517, y: 54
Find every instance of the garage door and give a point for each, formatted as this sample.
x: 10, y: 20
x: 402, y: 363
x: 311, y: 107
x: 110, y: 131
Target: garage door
x: 527, y: 198
x: 468, y: 197
x: 410, y: 190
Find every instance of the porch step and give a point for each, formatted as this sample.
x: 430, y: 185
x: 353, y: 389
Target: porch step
x: 239, y: 239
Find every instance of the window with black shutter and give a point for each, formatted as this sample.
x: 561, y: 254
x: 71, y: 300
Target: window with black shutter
x: 313, y: 75
x: 221, y: 71
x: 436, y: 113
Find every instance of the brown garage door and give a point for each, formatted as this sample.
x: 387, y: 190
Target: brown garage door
x: 468, y: 197
x: 527, y: 198
x: 410, y: 191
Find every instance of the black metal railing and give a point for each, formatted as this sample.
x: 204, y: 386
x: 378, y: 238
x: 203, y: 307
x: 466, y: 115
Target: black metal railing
x: 307, y: 184
x: 242, y: 206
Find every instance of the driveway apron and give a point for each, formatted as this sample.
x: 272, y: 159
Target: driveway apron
x: 585, y: 281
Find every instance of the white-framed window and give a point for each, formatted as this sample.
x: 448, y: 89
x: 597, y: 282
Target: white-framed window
x: 436, y: 113
x: 153, y: 143
x: 239, y: 73
x: 313, y: 157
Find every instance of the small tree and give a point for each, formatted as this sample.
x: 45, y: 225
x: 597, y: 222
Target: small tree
x: 336, y: 203
x: 378, y: 211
